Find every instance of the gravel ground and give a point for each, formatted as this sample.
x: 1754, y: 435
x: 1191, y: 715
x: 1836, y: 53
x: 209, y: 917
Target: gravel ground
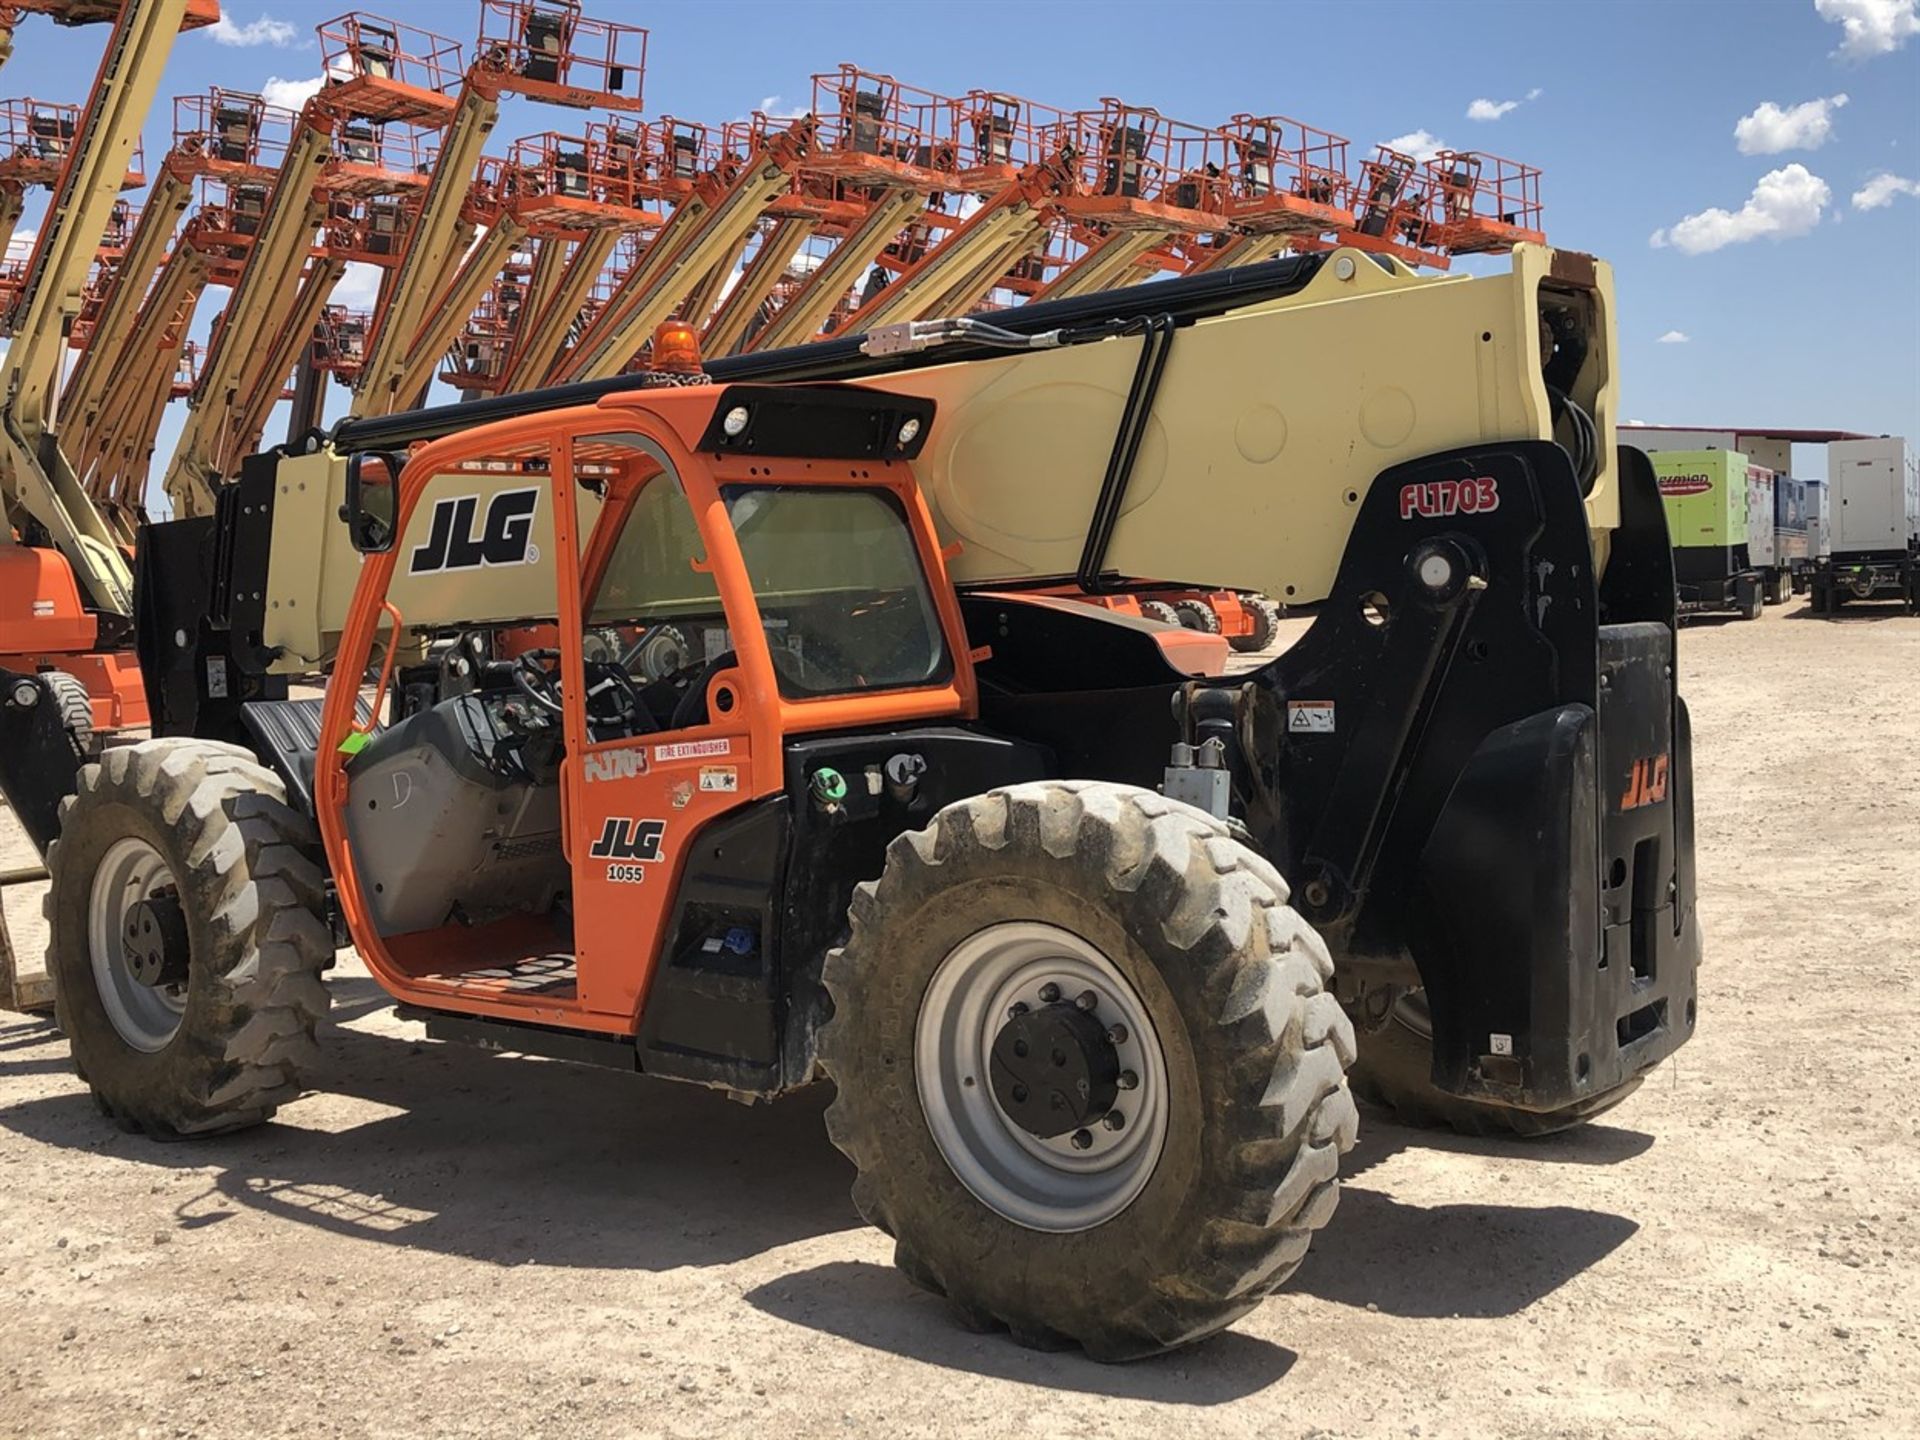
x: 444, y: 1242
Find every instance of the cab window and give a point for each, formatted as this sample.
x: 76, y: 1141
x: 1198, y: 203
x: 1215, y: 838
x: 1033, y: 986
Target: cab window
x: 840, y: 589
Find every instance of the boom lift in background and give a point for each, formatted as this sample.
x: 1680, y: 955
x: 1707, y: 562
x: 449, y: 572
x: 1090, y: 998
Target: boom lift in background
x: 74, y: 13
x: 884, y: 152
x: 546, y: 50
x: 227, y: 146
x: 1011, y: 162
x: 718, y: 213
x: 66, y: 600
x: 386, y: 85
x: 1144, y: 181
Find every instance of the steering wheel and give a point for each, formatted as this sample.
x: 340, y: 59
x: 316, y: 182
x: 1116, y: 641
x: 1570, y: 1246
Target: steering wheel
x: 611, y: 699
x: 539, y: 683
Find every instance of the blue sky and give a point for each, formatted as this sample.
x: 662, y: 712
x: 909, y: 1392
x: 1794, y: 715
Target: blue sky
x: 1798, y: 305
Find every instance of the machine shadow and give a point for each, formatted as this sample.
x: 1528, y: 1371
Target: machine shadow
x: 1864, y: 611
x: 1478, y: 1261
x: 513, y: 1160
x: 871, y: 1305
x: 505, y: 1159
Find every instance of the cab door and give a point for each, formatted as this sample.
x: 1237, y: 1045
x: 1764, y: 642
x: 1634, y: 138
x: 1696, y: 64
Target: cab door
x: 649, y: 632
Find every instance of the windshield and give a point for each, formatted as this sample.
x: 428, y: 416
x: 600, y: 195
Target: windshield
x: 840, y: 589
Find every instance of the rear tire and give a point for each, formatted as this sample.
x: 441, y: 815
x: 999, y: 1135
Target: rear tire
x: 1197, y: 615
x: 1161, y: 611
x: 1266, y: 625
x: 205, y: 824
x: 76, y: 710
x: 1195, y: 928
x: 1395, y: 1069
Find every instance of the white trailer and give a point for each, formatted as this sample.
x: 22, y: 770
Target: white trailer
x: 1875, y: 504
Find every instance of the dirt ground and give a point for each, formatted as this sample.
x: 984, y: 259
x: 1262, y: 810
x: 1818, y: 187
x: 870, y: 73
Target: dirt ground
x: 444, y: 1242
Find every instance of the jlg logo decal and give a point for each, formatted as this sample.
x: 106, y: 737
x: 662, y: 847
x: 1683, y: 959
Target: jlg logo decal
x: 1438, y: 498
x: 625, y: 839
x: 1647, y: 785
x: 505, y: 539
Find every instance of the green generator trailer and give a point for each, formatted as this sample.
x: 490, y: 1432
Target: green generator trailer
x: 1704, y: 493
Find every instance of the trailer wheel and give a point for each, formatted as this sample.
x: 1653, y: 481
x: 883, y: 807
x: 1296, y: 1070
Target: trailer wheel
x: 187, y: 938
x: 1266, y: 625
x: 1395, y: 1069
x: 1160, y: 610
x: 1087, y: 1069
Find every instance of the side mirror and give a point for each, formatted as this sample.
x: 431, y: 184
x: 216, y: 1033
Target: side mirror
x: 373, y: 498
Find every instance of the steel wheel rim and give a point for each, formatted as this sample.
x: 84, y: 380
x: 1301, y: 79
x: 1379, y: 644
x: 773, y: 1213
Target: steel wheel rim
x: 1044, y: 1185
x: 147, y: 1017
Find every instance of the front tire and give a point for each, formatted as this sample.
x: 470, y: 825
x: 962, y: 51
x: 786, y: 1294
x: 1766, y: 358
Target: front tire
x: 192, y: 840
x: 1395, y: 1072
x: 1137, y: 901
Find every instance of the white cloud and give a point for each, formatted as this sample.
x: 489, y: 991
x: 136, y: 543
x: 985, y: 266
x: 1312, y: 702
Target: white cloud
x: 1490, y: 109
x: 20, y: 244
x: 1535, y: 93
x: 1769, y: 129
x: 290, y: 94
x: 1880, y: 191
x: 1870, y: 27
x: 1786, y: 202
x: 359, y: 287
x: 1674, y: 337
x: 1420, y: 144
x: 264, y: 31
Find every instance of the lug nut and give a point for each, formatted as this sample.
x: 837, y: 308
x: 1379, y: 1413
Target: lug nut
x: 1127, y: 1080
x: 1087, y: 1001
x: 1019, y: 1094
x: 1114, y: 1120
x: 1082, y: 1139
x: 1019, y: 1009
x: 1116, y: 1035
x: 1049, y: 993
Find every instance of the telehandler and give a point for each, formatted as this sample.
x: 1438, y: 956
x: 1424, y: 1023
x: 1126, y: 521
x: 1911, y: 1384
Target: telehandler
x: 690, y: 730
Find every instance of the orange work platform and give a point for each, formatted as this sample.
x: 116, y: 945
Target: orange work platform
x: 548, y: 50
x: 1287, y: 177
x: 200, y: 13
x: 1134, y: 167
x: 229, y: 134
x: 38, y: 136
x: 384, y: 70
x: 1482, y: 204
